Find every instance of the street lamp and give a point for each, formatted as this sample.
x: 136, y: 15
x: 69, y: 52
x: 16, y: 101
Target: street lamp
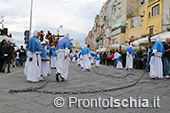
x: 30, y: 18
x: 61, y: 26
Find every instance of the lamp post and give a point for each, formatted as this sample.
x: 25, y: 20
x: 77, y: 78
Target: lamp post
x: 30, y: 18
x: 61, y: 26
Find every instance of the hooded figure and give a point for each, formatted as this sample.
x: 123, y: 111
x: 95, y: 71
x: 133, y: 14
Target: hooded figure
x: 74, y: 58
x: 129, y: 58
x: 33, y: 63
x: 63, y: 50
x: 85, y: 57
x: 156, y: 67
x: 44, y: 64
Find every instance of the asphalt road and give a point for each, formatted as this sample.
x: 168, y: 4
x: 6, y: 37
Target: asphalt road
x: 32, y: 102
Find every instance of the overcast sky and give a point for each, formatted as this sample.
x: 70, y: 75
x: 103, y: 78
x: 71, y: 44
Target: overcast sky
x: 76, y: 16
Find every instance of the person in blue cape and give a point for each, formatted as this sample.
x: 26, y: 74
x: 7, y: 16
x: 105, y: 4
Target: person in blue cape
x: 63, y: 50
x: 119, y: 62
x: 44, y: 64
x: 53, y: 58
x: 98, y: 60
x: 156, y: 53
x: 93, y: 56
x: 74, y: 58
x: 79, y: 62
x: 33, y: 64
x: 85, y: 57
x: 129, y: 58
x: 47, y: 50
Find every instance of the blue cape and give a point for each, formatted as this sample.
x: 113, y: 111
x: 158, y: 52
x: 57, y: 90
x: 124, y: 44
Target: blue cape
x: 75, y: 55
x: 158, y: 46
x: 53, y: 52
x: 43, y: 54
x: 34, y: 44
x: 63, y: 44
x: 93, y: 54
x: 85, y: 50
x: 119, y: 59
x: 131, y: 51
x: 79, y: 55
x: 98, y: 58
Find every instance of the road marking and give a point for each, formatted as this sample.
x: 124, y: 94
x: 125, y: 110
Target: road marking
x: 10, y: 74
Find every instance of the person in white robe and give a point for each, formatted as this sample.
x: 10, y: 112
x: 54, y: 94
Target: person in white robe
x: 93, y: 57
x: 98, y: 60
x: 53, y: 58
x: 33, y: 63
x: 74, y: 58
x: 85, y: 57
x: 47, y: 50
x: 63, y: 50
x: 44, y: 64
x: 119, y: 62
x: 156, y: 53
x: 129, y: 58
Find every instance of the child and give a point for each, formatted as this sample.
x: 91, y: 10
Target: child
x: 44, y: 64
x: 98, y: 60
x: 119, y: 62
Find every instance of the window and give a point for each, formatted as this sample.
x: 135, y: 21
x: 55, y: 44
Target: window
x: 151, y: 31
x: 132, y: 24
x: 155, y: 10
x: 149, y: 14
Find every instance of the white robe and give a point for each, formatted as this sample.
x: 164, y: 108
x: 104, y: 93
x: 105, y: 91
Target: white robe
x: 92, y: 60
x: 78, y: 61
x: 97, y: 63
x: 74, y: 59
x: 63, y: 64
x: 156, y: 66
x: 129, y: 61
x: 48, y: 67
x: 44, y: 68
x: 119, y: 65
x: 33, y: 68
x: 85, y: 61
x: 53, y: 61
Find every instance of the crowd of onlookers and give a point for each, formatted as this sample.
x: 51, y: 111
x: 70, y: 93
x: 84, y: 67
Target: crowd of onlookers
x: 8, y: 56
x: 110, y: 58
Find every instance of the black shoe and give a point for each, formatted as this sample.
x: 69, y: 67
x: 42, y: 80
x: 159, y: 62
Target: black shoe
x: 63, y: 80
x: 57, y: 76
x: 88, y: 70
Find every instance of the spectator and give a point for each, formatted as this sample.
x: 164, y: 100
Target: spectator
x: 104, y: 57
x: 109, y: 58
x: 7, y: 50
x: 144, y: 57
x: 1, y: 55
x: 17, y: 57
x: 22, y: 56
x: 14, y: 55
x: 166, y: 59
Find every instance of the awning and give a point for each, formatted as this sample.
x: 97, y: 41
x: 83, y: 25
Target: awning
x: 122, y: 23
x: 7, y: 38
x: 144, y: 41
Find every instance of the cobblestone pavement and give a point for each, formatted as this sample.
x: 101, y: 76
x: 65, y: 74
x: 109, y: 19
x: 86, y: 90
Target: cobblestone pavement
x: 82, y: 81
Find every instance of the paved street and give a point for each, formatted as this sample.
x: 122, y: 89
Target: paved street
x: 82, y: 81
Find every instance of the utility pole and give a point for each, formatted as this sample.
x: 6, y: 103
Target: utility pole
x: 30, y: 18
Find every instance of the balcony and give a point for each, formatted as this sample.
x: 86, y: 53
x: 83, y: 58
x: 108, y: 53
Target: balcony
x: 149, y: 1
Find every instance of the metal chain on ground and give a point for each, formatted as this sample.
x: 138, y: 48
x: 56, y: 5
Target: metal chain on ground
x: 110, y: 75
x: 37, y: 89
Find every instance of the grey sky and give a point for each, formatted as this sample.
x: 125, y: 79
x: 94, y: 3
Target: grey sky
x: 76, y: 16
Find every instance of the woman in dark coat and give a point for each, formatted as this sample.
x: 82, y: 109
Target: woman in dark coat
x: 1, y: 54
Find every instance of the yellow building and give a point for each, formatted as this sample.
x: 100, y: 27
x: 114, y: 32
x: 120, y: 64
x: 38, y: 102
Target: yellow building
x: 152, y: 18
